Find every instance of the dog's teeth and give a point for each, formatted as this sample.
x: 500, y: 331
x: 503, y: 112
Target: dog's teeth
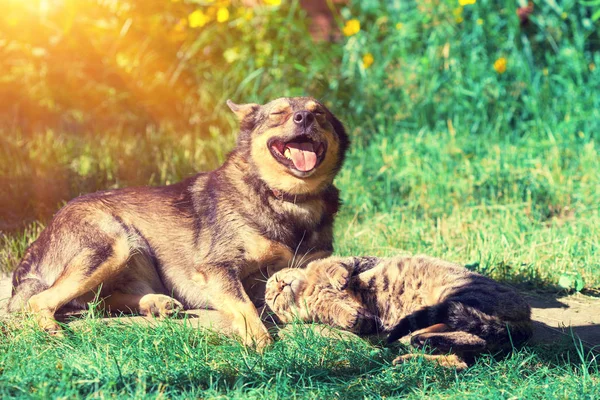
x: 287, y: 153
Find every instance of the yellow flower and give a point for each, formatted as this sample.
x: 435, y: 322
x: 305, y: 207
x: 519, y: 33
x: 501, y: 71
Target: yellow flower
x: 352, y: 27
x: 244, y: 12
x: 564, y: 15
x: 466, y: 2
x: 222, y: 14
x: 545, y: 71
x: 500, y: 65
x: 272, y: 2
x: 399, y: 25
x: 479, y: 21
x: 231, y: 55
x: 458, y: 14
x: 368, y: 60
x: 197, y: 19
x: 592, y: 66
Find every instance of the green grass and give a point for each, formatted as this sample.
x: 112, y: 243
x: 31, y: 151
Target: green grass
x: 450, y: 158
x: 521, y: 210
x: 171, y: 360
x: 524, y: 210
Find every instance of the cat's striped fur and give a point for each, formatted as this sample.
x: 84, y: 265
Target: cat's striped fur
x: 442, y: 304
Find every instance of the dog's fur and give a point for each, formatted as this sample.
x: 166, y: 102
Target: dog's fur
x: 201, y: 243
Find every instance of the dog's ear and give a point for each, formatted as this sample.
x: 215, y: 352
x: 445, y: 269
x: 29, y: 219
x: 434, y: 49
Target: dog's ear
x: 338, y: 127
x: 246, y: 114
x: 243, y: 110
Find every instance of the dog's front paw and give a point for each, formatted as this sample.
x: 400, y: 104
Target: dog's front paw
x: 261, y: 342
x: 258, y: 340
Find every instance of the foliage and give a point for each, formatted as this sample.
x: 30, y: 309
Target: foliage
x: 172, y: 64
x: 135, y: 64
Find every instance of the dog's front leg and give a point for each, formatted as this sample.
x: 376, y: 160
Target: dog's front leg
x: 246, y: 322
x: 226, y: 294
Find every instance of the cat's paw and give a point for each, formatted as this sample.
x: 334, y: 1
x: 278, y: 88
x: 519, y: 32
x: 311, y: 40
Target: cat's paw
x: 339, y: 277
x: 159, y: 304
x: 349, y: 319
x: 446, y: 361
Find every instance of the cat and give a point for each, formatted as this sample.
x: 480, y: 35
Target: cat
x: 441, y: 304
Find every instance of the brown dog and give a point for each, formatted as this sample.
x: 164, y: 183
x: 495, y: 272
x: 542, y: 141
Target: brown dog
x: 203, y: 242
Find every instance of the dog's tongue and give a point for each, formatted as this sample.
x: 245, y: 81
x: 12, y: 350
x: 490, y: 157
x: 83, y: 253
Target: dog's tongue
x: 302, y: 155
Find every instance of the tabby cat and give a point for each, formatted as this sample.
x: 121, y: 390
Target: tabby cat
x: 442, y: 304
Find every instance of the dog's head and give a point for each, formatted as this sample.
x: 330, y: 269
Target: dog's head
x: 296, y: 144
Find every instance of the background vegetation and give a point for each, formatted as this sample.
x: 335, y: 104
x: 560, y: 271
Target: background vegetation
x: 474, y: 126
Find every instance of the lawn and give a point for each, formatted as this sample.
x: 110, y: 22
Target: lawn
x: 474, y: 138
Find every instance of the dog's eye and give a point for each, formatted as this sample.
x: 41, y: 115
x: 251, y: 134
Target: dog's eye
x: 278, y: 113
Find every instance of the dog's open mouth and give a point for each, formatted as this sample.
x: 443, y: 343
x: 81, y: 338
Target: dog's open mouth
x: 301, y: 153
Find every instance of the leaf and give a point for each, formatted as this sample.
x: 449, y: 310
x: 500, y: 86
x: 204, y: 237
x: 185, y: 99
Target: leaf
x: 472, y: 266
x: 566, y: 281
x: 579, y: 283
x: 571, y: 281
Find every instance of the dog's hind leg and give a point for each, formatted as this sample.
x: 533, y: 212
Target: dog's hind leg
x: 84, y: 273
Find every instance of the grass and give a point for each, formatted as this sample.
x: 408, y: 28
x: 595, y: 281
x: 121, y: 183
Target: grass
x: 497, y: 171
x: 522, y: 211
x: 171, y: 360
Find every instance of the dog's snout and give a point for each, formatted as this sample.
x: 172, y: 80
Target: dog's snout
x: 304, y: 118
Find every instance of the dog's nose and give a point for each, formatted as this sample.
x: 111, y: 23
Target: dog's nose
x: 304, y: 118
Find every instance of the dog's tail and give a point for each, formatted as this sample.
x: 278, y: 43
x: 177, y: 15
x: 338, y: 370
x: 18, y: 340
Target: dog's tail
x: 24, y: 285
x: 23, y: 292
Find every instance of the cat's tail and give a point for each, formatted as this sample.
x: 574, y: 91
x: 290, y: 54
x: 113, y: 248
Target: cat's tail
x: 462, y: 317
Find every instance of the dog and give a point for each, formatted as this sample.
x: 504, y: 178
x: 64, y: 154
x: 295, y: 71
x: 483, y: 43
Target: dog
x: 204, y: 242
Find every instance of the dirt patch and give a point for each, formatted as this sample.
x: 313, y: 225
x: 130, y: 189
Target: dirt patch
x: 561, y: 318
x: 5, y: 289
x: 556, y: 318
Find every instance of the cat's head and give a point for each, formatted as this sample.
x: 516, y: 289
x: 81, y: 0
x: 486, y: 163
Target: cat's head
x: 285, y: 294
